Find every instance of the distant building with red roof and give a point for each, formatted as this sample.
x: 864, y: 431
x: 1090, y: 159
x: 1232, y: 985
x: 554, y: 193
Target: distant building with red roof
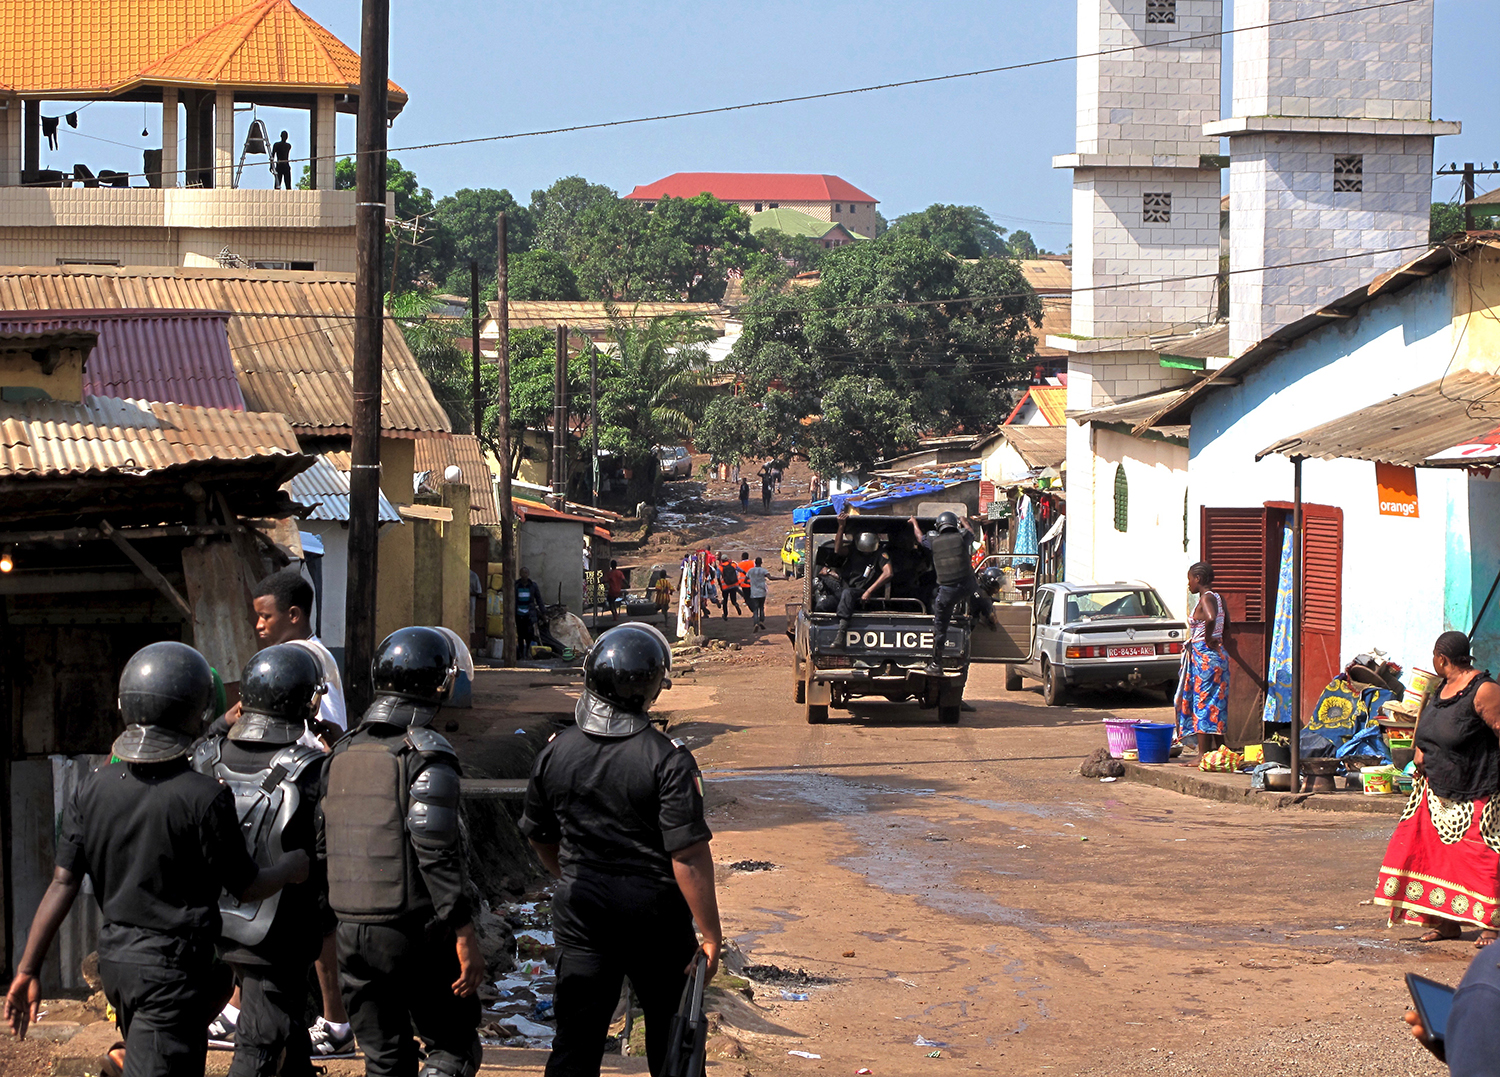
x: 827, y: 198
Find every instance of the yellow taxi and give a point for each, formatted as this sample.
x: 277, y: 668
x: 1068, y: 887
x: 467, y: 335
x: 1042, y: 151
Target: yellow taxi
x: 793, y: 548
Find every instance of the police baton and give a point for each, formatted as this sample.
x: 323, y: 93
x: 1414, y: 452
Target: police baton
x: 687, y: 1043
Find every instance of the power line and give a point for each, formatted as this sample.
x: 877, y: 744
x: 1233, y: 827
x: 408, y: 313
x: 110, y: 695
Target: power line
x: 855, y: 90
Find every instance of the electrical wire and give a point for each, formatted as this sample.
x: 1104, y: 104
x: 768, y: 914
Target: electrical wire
x: 826, y: 95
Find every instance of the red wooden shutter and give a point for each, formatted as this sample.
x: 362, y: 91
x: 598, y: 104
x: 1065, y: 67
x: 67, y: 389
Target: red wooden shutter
x: 1322, y: 599
x: 1234, y: 543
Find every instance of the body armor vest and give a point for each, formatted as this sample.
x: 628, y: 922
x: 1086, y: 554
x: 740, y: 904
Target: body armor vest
x: 265, y: 802
x: 950, y: 557
x: 373, y: 875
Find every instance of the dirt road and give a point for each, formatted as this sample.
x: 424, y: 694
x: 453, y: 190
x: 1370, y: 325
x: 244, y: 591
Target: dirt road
x: 965, y: 886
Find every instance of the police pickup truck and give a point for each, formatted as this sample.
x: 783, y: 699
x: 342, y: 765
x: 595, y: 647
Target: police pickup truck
x: 886, y: 649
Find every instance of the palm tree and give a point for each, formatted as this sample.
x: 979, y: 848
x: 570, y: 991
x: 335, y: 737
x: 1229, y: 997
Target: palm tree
x: 448, y: 370
x: 657, y: 382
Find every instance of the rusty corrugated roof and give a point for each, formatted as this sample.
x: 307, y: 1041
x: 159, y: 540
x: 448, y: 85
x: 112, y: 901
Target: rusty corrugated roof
x: 181, y: 357
x: 325, y: 488
x: 1038, y: 446
x: 109, y: 436
x: 436, y: 455
x: 1407, y: 429
x: 78, y: 48
x: 291, y: 335
x: 588, y: 315
x: 1047, y: 275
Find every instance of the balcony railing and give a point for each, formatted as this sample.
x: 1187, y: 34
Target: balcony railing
x: 154, y: 207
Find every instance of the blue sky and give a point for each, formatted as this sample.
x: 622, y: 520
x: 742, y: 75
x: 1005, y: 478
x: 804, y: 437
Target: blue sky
x: 482, y: 68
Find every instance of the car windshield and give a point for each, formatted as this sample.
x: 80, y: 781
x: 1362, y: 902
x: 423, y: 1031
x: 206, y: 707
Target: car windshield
x: 799, y: 544
x: 1100, y: 605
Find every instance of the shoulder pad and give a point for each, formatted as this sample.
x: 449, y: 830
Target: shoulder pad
x: 297, y: 758
x: 428, y: 742
x: 206, y: 754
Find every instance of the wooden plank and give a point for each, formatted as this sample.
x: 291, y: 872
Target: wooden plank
x: 148, y: 570
x: 221, y: 613
x: 61, y: 583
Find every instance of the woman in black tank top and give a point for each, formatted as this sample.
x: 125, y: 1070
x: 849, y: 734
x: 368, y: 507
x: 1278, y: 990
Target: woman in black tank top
x: 1442, y: 867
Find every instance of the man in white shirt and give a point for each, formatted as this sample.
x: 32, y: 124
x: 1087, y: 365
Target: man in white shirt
x: 758, y: 578
x: 283, y: 603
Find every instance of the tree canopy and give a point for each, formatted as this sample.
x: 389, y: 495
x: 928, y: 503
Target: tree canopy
x: 898, y: 340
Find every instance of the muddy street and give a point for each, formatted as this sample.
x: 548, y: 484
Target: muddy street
x: 964, y: 891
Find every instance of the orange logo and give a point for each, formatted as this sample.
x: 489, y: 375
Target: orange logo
x: 1396, y: 488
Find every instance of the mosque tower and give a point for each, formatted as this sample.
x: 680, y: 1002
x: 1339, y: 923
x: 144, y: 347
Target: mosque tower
x: 1331, y: 146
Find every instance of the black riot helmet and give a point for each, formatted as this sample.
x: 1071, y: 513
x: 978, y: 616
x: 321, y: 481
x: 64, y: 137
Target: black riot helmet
x: 165, y: 692
x: 416, y: 664
x: 627, y: 668
x: 946, y: 521
x: 279, y: 691
x: 991, y: 580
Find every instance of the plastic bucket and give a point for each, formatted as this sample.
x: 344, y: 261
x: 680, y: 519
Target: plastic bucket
x: 1378, y: 781
x: 1421, y: 682
x: 1154, y: 741
x: 1119, y: 733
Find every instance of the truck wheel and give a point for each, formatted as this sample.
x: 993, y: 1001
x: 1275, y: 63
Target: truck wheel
x: 949, y: 715
x: 1053, y: 692
x: 799, y: 691
x: 817, y: 713
x: 1013, y: 681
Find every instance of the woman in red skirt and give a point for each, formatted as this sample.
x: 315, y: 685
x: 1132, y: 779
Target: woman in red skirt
x: 1442, y: 867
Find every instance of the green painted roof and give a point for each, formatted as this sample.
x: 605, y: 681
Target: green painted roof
x: 795, y: 223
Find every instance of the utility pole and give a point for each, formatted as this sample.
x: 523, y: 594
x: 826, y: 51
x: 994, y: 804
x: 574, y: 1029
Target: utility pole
x: 474, y: 344
x: 502, y: 445
x: 1468, y: 172
x: 560, y: 417
x: 594, y: 421
x: 369, y: 326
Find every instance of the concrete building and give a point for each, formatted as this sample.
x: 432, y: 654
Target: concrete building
x: 827, y: 198
x: 1331, y: 146
x: 189, y: 63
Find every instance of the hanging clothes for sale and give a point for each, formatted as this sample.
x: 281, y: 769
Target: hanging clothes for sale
x: 49, y: 130
x: 1026, y: 542
x: 72, y: 119
x: 1278, y: 706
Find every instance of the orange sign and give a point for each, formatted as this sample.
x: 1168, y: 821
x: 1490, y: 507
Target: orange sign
x: 1396, y: 488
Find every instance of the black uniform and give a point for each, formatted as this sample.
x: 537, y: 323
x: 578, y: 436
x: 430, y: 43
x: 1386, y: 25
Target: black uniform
x: 281, y: 165
x: 953, y: 559
x: 618, y: 807
x: 860, y: 570
x: 159, y: 842
x: 272, y: 973
x: 388, y: 826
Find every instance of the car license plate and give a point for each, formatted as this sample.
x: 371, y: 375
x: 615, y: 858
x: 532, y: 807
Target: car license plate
x: 1138, y: 651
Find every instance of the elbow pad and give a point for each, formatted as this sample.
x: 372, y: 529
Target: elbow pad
x: 432, y: 815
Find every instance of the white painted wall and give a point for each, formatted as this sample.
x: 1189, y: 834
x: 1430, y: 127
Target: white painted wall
x: 553, y: 551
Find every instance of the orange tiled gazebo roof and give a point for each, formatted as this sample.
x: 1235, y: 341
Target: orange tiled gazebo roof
x: 92, y: 48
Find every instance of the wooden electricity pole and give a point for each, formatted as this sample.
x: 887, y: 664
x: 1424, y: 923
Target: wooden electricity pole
x: 503, y: 451
x: 560, y: 417
x: 369, y: 326
x: 474, y: 343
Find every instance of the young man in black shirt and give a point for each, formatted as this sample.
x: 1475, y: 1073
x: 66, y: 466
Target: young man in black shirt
x: 159, y: 842
x: 281, y: 163
x: 615, y: 810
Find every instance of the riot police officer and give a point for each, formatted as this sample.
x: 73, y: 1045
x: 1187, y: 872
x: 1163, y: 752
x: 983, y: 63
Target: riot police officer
x: 952, y: 549
x: 159, y: 842
x: 275, y: 781
x: 388, y: 826
x: 615, y: 811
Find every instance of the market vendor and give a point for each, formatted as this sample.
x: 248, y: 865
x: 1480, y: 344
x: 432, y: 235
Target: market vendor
x: 1441, y: 867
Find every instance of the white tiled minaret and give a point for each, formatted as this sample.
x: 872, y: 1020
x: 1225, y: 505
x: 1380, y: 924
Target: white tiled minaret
x: 1331, y: 148
x: 1146, y: 179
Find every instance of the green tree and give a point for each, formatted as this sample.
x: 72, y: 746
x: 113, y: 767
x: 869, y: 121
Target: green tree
x: 448, y: 370
x: 464, y: 230
x: 897, y: 339
x: 556, y: 213
x: 704, y: 239
x: 1021, y: 245
x: 964, y: 231
x: 780, y: 258
x: 654, y: 385
x: 542, y: 275
x: 1446, y: 220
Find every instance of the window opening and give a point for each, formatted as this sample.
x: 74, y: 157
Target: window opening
x: 1156, y: 208
x: 1349, y: 172
x: 1161, y: 11
x: 1122, y: 499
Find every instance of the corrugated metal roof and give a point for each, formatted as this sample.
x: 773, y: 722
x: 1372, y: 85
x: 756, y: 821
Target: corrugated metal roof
x: 105, y: 435
x: 435, y: 455
x: 1490, y: 198
x: 181, y: 357
x: 291, y: 335
x: 1038, y: 446
x: 325, y: 487
x: 1210, y: 343
x: 589, y: 315
x: 77, y: 47
x: 1046, y: 275
x: 1408, y: 429
x: 752, y: 186
x: 1132, y: 411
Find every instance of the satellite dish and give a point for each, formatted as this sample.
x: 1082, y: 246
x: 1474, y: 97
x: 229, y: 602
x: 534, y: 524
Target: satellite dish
x: 453, y: 473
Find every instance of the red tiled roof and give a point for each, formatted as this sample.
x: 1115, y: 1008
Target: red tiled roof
x: 171, y: 356
x: 752, y: 186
